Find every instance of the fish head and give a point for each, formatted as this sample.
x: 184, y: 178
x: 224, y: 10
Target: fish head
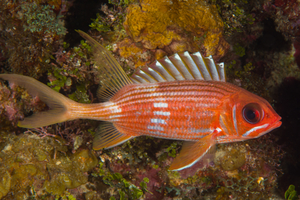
x: 252, y: 116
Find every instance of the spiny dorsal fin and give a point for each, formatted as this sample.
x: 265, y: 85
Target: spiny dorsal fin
x: 108, y: 136
x: 183, y: 66
x: 114, y: 76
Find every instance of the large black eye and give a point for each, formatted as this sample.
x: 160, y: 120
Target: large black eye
x: 252, y: 113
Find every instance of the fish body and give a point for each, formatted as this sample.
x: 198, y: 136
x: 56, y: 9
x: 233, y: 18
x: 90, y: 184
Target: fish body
x: 200, y: 112
x: 183, y: 110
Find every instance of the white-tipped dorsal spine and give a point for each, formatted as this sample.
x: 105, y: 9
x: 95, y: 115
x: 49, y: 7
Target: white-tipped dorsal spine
x: 138, y: 78
x: 183, y: 66
x: 197, y: 57
x: 212, y: 68
x: 146, y: 76
x: 221, y: 69
x: 194, y: 70
x: 158, y: 67
x: 171, y: 68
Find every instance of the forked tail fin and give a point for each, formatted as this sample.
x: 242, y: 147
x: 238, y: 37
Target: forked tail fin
x: 57, y: 102
x: 64, y: 109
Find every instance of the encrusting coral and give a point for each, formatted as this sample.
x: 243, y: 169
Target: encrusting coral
x: 175, y: 26
x: 42, y: 164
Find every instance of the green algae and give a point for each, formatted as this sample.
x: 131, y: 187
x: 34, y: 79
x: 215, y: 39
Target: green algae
x: 239, y: 50
x: 60, y: 81
x: 99, y: 24
x: 80, y: 95
x: 72, y: 71
x: 126, y: 189
x: 44, y: 164
x: 291, y: 193
x: 235, y: 14
x: 112, y: 23
x: 120, y: 186
x: 172, y: 149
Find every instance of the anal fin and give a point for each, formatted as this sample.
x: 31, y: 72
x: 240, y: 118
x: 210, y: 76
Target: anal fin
x: 191, y: 152
x: 107, y: 136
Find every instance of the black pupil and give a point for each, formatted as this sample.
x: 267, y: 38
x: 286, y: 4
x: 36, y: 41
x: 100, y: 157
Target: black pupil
x: 250, y: 114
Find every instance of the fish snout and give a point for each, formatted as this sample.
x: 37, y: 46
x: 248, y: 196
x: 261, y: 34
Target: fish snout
x: 277, y: 123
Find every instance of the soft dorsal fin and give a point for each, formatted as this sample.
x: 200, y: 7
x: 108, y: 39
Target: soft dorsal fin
x: 114, y: 76
x: 183, y: 66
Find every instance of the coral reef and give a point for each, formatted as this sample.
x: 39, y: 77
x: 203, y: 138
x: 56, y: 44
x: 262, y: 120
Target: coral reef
x: 73, y: 71
x: 41, y: 19
x: 287, y: 20
x: 53, y: 162
x: 252, y: 173
x: 111, y: 24
x: 174, y: 26
x: 231, y: 158
x: 138, y: 56
x: 237, y: 15
x: 249, y: 174
x: 285, y: 15
x: 42, y: 164
x: 30, y: 32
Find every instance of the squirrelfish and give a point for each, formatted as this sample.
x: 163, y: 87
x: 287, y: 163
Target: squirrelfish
x: 183, y: 97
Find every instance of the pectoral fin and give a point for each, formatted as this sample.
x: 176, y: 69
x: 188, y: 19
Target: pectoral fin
x: 192, y: 152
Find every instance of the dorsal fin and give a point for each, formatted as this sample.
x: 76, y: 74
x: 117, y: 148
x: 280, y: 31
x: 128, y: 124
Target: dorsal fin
x: 183, y: 66
x: 114, y: 76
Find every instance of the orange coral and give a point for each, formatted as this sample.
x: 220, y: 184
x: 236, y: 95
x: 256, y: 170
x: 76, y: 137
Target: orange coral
x: 176, y: 26
x: 129, y: 50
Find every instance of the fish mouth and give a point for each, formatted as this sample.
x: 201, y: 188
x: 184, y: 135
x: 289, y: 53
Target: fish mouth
x: 276, y: 124
x: 272, y: 126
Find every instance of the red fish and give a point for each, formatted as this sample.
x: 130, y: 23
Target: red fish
x: 183, y: 97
